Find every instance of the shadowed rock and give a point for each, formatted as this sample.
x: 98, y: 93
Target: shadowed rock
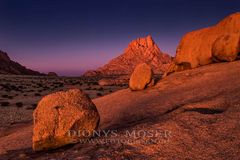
x: 7, y: 66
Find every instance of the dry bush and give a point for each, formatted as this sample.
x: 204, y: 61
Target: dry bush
x: 19, y: 104
x: 5, y: 104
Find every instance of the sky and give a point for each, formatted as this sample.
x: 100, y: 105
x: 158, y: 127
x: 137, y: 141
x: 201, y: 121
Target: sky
x: 72, y: 36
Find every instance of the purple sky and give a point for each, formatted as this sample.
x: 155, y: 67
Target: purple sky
x: 70, y: 37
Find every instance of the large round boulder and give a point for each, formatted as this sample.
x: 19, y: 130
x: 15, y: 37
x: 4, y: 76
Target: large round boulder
x: 141, y: 77
x: 226, y: 48
x: 63, y: 118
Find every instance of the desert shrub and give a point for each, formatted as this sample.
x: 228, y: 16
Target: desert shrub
x: 95, y: 83
x: 4, y: 96
x: 34, y: 106
x: 46, y: 88
x: 99, y: 94
x: 39, y: 85
x: 6, y: 87
x: 15, y: 88
x: 5, y: 103
x: 37, y: 94
x: 100, y: 89
x: 19, y: 104
x: 20, y: 87
x: 89, y: 88
x: 61, y: 85
x: 10, y: 97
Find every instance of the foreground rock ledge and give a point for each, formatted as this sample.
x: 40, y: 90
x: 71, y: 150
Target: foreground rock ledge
x: 141, y: 77
x: 59, y: 113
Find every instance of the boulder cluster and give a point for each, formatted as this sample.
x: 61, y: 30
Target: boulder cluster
x: 219, y: 43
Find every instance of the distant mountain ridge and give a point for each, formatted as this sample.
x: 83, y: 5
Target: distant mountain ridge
x: 7, y: 66
x: 138, y: 51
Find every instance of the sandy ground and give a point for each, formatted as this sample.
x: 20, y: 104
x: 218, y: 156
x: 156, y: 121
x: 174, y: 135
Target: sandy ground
x: 19, y: 95
x: 193, y: 114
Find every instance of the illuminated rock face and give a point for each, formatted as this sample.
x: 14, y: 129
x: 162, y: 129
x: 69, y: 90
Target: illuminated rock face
x: 141, y: 50
x: 201, y: 47
x: 61, y: 118
x: 141, y: 77
x: 226, y: 48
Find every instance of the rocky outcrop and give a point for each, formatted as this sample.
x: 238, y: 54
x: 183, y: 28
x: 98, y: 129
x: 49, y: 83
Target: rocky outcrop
x: 7, y: 66
x: 141, y: 50
x: 63, y: 118
x: 52, y: 74
x: 141, y: 77
x: 204, y: 46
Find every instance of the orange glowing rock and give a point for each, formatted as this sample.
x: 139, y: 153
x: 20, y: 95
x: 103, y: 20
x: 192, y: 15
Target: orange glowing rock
x: 60, y: 114
x: 141, y: 50
x: 226, y: 48
x: 141, y: 77
x: 201, y: 47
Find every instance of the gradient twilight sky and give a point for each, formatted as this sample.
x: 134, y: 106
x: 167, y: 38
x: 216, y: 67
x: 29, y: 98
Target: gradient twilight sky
x: 71, y: 36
